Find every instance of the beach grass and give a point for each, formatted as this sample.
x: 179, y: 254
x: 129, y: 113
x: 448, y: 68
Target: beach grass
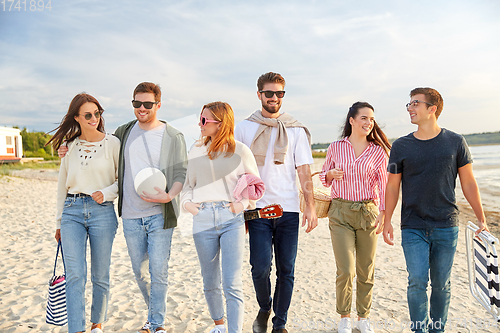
x: 7, y: 168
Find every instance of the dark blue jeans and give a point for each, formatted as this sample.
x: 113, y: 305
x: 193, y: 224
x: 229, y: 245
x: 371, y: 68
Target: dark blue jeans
x: 282, y: 235
x: 429, y: 252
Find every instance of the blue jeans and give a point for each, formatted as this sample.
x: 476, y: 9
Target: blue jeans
x: 219, y: 236
x: 282, y: 234
x: 83, y: 219
x: 429, y: 250
x: 149, y: 250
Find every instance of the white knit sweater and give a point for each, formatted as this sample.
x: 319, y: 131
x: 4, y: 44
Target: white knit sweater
x: 214, y: 180
x: 89, y: 167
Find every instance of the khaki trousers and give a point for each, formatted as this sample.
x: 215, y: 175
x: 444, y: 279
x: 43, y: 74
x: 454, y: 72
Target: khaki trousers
x: 353, y: 234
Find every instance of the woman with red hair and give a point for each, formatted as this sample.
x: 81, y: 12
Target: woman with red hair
x: 215, y: 164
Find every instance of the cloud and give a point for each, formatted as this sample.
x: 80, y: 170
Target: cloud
x: 332, y: 54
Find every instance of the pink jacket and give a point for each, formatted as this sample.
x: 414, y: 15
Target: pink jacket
x: 250, y: 187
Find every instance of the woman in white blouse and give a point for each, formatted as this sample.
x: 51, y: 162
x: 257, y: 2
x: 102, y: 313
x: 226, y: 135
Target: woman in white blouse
x: 215, y: 164
x: 87, y: 187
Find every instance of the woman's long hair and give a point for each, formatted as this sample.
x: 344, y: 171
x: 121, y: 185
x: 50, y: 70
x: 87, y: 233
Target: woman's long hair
x: 69, y: 128
x: 223, y: 141
x: 377, y: 136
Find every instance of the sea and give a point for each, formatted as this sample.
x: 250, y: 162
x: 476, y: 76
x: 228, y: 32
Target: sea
x: 486, y: 166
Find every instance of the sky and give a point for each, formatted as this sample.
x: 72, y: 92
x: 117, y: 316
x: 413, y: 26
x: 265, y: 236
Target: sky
x: 331, y: 54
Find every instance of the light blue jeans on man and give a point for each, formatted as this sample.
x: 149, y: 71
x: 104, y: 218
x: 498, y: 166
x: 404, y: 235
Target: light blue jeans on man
x: 429, y: 253
x: 149, y: 250
x: 83, y: 219
x: 219, y: 237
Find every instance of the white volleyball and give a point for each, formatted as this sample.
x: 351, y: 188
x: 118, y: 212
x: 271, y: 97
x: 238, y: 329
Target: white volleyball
x: 147, y: 179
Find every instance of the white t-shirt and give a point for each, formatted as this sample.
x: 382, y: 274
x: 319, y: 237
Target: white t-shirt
x: 280, y: 179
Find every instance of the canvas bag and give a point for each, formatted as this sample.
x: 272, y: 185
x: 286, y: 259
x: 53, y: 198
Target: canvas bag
x: 56, y: 303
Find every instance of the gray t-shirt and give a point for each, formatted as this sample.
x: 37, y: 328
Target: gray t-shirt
x: 142, y: 150
x: 429, y: 171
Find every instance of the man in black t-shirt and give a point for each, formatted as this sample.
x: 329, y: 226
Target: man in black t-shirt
x: 426, y: 163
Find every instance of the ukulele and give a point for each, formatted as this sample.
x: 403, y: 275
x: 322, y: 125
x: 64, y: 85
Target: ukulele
x: 269, y: 212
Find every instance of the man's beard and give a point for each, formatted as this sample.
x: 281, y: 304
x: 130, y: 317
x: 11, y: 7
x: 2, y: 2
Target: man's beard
x: 271, y: 109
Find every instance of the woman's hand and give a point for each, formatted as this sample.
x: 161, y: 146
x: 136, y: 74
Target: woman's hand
x: 379, y: 222
x: 98, y: 197
x: 236, y: 207
x: 336, y: 174
x: 58, y: 235
x: 192, y: 207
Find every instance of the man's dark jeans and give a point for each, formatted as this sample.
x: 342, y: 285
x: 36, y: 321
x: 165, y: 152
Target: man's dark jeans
x: 282, y: 235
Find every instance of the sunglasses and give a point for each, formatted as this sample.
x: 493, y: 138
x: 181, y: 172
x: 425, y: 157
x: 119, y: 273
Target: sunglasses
x: 204, y: 120
x: 88, y: 115
x: 415, y: 103
x: 270, y: 93
x: 147, y: 105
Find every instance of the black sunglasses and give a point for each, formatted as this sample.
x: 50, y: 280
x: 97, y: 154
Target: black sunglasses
x: 88, y: 115
x: 270, y: 93
x: 147, y: 105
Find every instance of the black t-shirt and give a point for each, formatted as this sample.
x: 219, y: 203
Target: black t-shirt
x: 429, y: 171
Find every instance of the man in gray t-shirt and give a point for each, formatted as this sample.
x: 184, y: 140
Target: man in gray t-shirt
x: 149, y: 218
x: 426, y: 163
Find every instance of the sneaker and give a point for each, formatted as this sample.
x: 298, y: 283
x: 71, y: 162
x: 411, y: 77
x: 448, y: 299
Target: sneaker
x: 145, y: 329
x: 96, y: 330
x: 218, y: 329
x: 160, y: 330
x: 345, y: 325
x: 364, y: 326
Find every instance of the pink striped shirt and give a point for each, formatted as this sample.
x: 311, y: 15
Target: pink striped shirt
x: 365, y: 177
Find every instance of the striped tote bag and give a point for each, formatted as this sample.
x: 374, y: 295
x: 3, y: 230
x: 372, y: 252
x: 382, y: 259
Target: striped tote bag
x: 56, y: 303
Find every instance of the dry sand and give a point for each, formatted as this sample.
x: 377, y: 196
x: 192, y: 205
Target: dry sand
x: 27, y: 211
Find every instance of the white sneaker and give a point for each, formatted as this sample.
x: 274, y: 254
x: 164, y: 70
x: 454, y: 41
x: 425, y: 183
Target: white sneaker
x: 146, y: 328
x: 96, y: 330
x: 345, y: 325
x: 364, y: 326
x: 218, y: 329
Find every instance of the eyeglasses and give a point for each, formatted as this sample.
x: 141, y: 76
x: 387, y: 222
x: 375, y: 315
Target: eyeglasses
x: 88, y: 115
x: 204, y: 120
x: 270, y: 93
x: 415, y: 103
x: 147, y: 105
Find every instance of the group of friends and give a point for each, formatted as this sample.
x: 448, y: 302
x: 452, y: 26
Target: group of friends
x: 363, y: 170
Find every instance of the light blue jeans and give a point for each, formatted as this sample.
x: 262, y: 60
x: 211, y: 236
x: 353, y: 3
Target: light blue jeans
x: 149, y: 250
x: 219, y: 237
x: 83, y: 219
x: 429, y: 253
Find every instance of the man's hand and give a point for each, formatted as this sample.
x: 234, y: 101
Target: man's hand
x: 310, y: 217
x: 98, y: 197
x: 481, y: 225
x: 63, y: 149
x: 58, y: 235
x: 388, y: 233
x: 161, y: 196
x: 192, y: 207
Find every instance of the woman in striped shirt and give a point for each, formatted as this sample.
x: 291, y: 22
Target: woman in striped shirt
x: 356, y: 170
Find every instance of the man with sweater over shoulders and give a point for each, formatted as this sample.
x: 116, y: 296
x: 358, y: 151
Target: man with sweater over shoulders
x: 426, y: 163
x: 282, y: 149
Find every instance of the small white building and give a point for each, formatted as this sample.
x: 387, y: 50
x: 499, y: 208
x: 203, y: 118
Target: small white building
x: 11, y: 145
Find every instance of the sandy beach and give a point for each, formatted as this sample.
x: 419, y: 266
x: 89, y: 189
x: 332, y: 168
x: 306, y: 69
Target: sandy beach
x: 27, y: 213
